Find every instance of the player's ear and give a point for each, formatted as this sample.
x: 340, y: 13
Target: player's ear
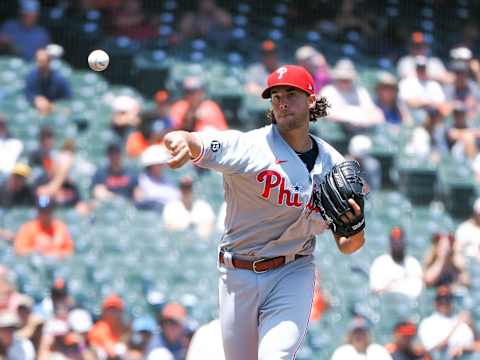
x: 312, y: 99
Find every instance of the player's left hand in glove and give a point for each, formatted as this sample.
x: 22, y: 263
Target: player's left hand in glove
x: 341, y: 185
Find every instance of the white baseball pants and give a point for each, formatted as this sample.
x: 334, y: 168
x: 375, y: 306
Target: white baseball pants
x: 265, y: 316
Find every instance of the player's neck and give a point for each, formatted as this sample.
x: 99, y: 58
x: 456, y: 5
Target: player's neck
x: 298, y: 139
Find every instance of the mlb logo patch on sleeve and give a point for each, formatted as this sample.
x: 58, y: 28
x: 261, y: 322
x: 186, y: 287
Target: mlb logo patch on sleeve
x: 215, y: 145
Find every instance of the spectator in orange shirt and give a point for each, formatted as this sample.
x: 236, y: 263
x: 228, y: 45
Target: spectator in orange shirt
x: 45, y: 234
x: 153, y: 126
x: 194, y: 112
x: 109, y: 334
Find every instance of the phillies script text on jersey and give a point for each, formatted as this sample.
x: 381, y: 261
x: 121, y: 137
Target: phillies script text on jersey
x: 272, y: 179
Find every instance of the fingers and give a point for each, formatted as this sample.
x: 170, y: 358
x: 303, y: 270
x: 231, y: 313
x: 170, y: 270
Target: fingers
x: 179, y: 158
x: 349, y: 216
x: 356, y: 208
x: 178, y: 149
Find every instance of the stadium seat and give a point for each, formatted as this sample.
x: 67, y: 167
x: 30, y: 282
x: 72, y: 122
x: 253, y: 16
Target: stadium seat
x: 417, y: 180
x: 150, y: 71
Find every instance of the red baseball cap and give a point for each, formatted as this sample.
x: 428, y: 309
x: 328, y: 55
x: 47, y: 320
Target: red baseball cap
x: 290, y: 75
x: 174, y: 311
x: 112, y: 302
x: 406, y: 328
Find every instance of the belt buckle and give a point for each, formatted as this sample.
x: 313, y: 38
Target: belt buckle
x: 255, y: 264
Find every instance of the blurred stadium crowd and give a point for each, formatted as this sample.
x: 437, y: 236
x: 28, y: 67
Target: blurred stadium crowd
x: 108, y: 254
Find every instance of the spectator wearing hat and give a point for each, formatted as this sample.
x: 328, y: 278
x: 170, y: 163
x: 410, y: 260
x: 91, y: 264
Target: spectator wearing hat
x: 208, y: 21
x: 316, y: 64
x: 31, y: 324
x: 23, y: 36
x: 460, y: 53
x: 445, y: 332
x: 80, y: 322
x: 10, y: 148
x: 188, y: 212
x: 12, y: 346
x: 16, y: 191
x: 24, y: 310
x: 467, y: 235
x: 172, y: 320
x: 422, y: 92
x: 45, y: 234
x: 113, y: 179
x: 256, y: 74
x: 143, y: 329
x: 462, y: 138
x: 194, y: 111
x: 152, y: 128
x: 404, y: 346
x: 44, y: 85
x: 394, y: 110
x: 359, y: 149
x: 441, y: 265
x: 463, y: 89
x: 125, y: 115
x: 351, y: 104
x: 359, y: 345
x: 109, y: 334
x: 154, y: 191
x: 419, y: 47
x: 396, y: 272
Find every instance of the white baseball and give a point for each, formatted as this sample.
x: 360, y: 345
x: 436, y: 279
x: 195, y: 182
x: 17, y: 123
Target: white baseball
x: 98, y: 60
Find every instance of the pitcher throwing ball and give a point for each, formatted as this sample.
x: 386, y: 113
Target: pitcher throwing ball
x: 283, y: 186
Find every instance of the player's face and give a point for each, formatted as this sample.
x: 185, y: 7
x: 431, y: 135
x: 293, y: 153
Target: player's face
x: 291, y: 107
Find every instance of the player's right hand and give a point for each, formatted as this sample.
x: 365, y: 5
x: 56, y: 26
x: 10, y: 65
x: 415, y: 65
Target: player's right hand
x: 176, y: 143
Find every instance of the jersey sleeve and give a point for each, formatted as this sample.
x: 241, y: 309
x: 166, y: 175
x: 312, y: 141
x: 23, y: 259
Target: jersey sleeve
x: 225, y: 151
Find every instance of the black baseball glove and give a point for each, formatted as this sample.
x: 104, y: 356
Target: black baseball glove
x: 341, y: 183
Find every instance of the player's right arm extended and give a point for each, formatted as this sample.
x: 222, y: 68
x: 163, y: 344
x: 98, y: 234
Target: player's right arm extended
x: 183, y: 147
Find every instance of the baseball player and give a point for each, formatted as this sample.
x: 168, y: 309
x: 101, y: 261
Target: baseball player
x: 274, y: 180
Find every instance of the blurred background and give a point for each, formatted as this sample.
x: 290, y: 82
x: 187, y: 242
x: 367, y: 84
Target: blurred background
x: 107, y: 254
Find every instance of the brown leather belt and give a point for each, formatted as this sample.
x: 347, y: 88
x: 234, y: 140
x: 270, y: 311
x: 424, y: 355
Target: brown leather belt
x: 258, y: 266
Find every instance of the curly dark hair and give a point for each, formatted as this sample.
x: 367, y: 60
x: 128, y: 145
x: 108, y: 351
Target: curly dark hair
x: 318, y: 111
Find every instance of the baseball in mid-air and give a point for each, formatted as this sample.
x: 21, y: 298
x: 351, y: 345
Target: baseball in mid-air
x: 98, y: 60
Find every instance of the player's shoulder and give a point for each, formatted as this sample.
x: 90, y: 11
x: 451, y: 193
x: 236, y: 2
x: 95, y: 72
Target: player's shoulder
x: 328, y: 151
x: 262, y: 131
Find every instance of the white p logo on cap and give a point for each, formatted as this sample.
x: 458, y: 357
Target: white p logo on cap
x: 281, y: 71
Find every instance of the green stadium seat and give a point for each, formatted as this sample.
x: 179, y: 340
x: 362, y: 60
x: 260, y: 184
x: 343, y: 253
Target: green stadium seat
x: 122, y: 50
x: 457, y: 187
x: 151, y: 71
x: 333, y: 134
x: 417, y: 180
